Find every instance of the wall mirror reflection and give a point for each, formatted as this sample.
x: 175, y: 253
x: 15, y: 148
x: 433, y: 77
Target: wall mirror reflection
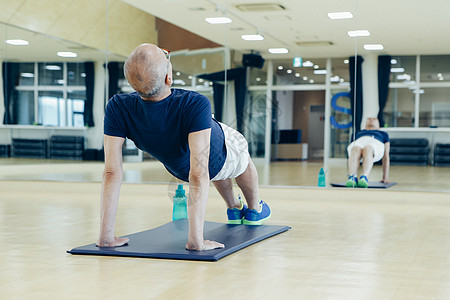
x: 297, y: 106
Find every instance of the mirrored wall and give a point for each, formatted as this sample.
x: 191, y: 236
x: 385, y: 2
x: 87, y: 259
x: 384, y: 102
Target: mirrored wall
x: 59, y: 78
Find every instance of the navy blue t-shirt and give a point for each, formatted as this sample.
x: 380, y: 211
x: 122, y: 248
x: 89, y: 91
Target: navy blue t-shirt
x: 377, y: 134
x: 161, y: 128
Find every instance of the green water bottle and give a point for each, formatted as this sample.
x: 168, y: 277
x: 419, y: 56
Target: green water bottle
x: 321, y: 179
x: 179, y: 204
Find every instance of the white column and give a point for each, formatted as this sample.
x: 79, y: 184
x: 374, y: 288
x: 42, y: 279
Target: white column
x: 370, y: 87
x: 327, y: 128
x: 268, y: 140
x: 2, y: 100
x: 417, y: 94
x: 94, y: 134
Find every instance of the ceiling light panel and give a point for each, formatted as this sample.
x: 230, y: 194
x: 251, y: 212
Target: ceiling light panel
x: 67, y: 54
x: 278, y: 50
x: 17, y: 42
x: 252, y: 37
x: 397, y: 70
x: 218, y: 20
x: 356, y: 33
x: 340, y: 15
x: 373, y: 47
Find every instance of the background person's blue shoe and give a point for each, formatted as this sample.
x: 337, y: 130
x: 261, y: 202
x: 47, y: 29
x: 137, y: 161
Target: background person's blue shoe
x: 352, y: 181
x: 254, y: 217
x: 236, y: 215
x: 363, y: 182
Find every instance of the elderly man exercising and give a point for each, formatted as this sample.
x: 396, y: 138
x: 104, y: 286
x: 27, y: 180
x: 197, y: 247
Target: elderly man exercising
x: 176, y: 127
x: 370, y: 145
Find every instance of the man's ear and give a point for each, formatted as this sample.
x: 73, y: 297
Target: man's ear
x: 169, y: 79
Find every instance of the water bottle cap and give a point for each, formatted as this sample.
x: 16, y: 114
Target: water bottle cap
x: 321, y: 171
x: 179, y: 191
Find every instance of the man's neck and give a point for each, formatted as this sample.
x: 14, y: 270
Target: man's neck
x: 161, y: 96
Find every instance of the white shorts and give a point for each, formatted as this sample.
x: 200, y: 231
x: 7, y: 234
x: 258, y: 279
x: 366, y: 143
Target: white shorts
x: 377, y: 146
x: 237, y: 154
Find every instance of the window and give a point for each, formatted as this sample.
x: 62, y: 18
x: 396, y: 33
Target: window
x: 434, y: 107
x: 399, y: 110
x: 419, y: 103
x: 435, y: 68
x: 312, y: 71
x: 50, y: 94
x: 403, y: 69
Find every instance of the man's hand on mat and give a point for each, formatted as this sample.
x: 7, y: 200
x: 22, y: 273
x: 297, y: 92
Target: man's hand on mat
x: 207, y: 245
x: 117, y: 242
x: 384, y: 181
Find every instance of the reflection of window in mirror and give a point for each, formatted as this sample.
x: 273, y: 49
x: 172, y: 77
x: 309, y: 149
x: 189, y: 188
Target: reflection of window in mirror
x: 429, y: 93
x: 49, y: 94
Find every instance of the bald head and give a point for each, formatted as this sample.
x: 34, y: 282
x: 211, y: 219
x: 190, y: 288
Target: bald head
x: 372, y: 124
x: 146, y: 69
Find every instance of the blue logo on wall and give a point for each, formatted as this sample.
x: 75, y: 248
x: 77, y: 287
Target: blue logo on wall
x: 344, y: 110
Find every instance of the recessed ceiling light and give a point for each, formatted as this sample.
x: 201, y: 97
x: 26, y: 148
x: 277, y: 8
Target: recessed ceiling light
x: 311, y: 81
x: 60, y: 81
x: 397, y: 70
x: 346, y: 61
x: 340, y: 15
x: 289, y: 71
x: 334, y: 79
x: 278, y: 50
x: 355, y: 33
x: 218, y: 20
x: 305, y: 78
x: 252, y: 37
x: 52, y: 67
x: 17, y: 42
x: 179, y: 81
x: 258, y: 79
x: 393, y: 61
x: 178, y: 73
x: 83, y: 75
x: 320, y: 72
x: 297, y: 74
x: 67, y: 54
x: 373, y: 47
x: 308, y: 64
x: 316, y: 66
x: 280, y: 68
x: 27, y: 75
x: 404, y: 77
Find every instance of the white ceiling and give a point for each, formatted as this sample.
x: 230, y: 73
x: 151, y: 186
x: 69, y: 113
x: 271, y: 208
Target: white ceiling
x: 44, y: 48
x: 404, y: 27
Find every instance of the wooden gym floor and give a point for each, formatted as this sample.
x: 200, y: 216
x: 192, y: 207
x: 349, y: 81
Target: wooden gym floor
x: 344, y: 243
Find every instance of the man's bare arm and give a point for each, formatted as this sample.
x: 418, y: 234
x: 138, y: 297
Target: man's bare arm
x: 386, y: 162
x: 199, y: 145
x: 112, y: 181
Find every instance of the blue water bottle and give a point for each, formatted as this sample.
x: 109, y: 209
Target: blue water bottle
x: 321, y: 179
x: 179, y: 204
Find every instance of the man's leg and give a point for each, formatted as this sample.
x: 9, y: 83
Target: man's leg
x: 353, y: 160
x: 225, y: 189
x: 367, y: 153
x: 248, y: 183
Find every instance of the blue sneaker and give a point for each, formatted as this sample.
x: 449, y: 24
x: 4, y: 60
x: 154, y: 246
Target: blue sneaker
x: 254, y: 217
x: 236, y: 215
x: 363, y: 182
x: 352, y: 181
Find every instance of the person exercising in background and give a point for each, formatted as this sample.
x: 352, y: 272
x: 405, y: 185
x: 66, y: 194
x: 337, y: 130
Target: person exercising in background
x: 370, y: 145
x: 176, y: 127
